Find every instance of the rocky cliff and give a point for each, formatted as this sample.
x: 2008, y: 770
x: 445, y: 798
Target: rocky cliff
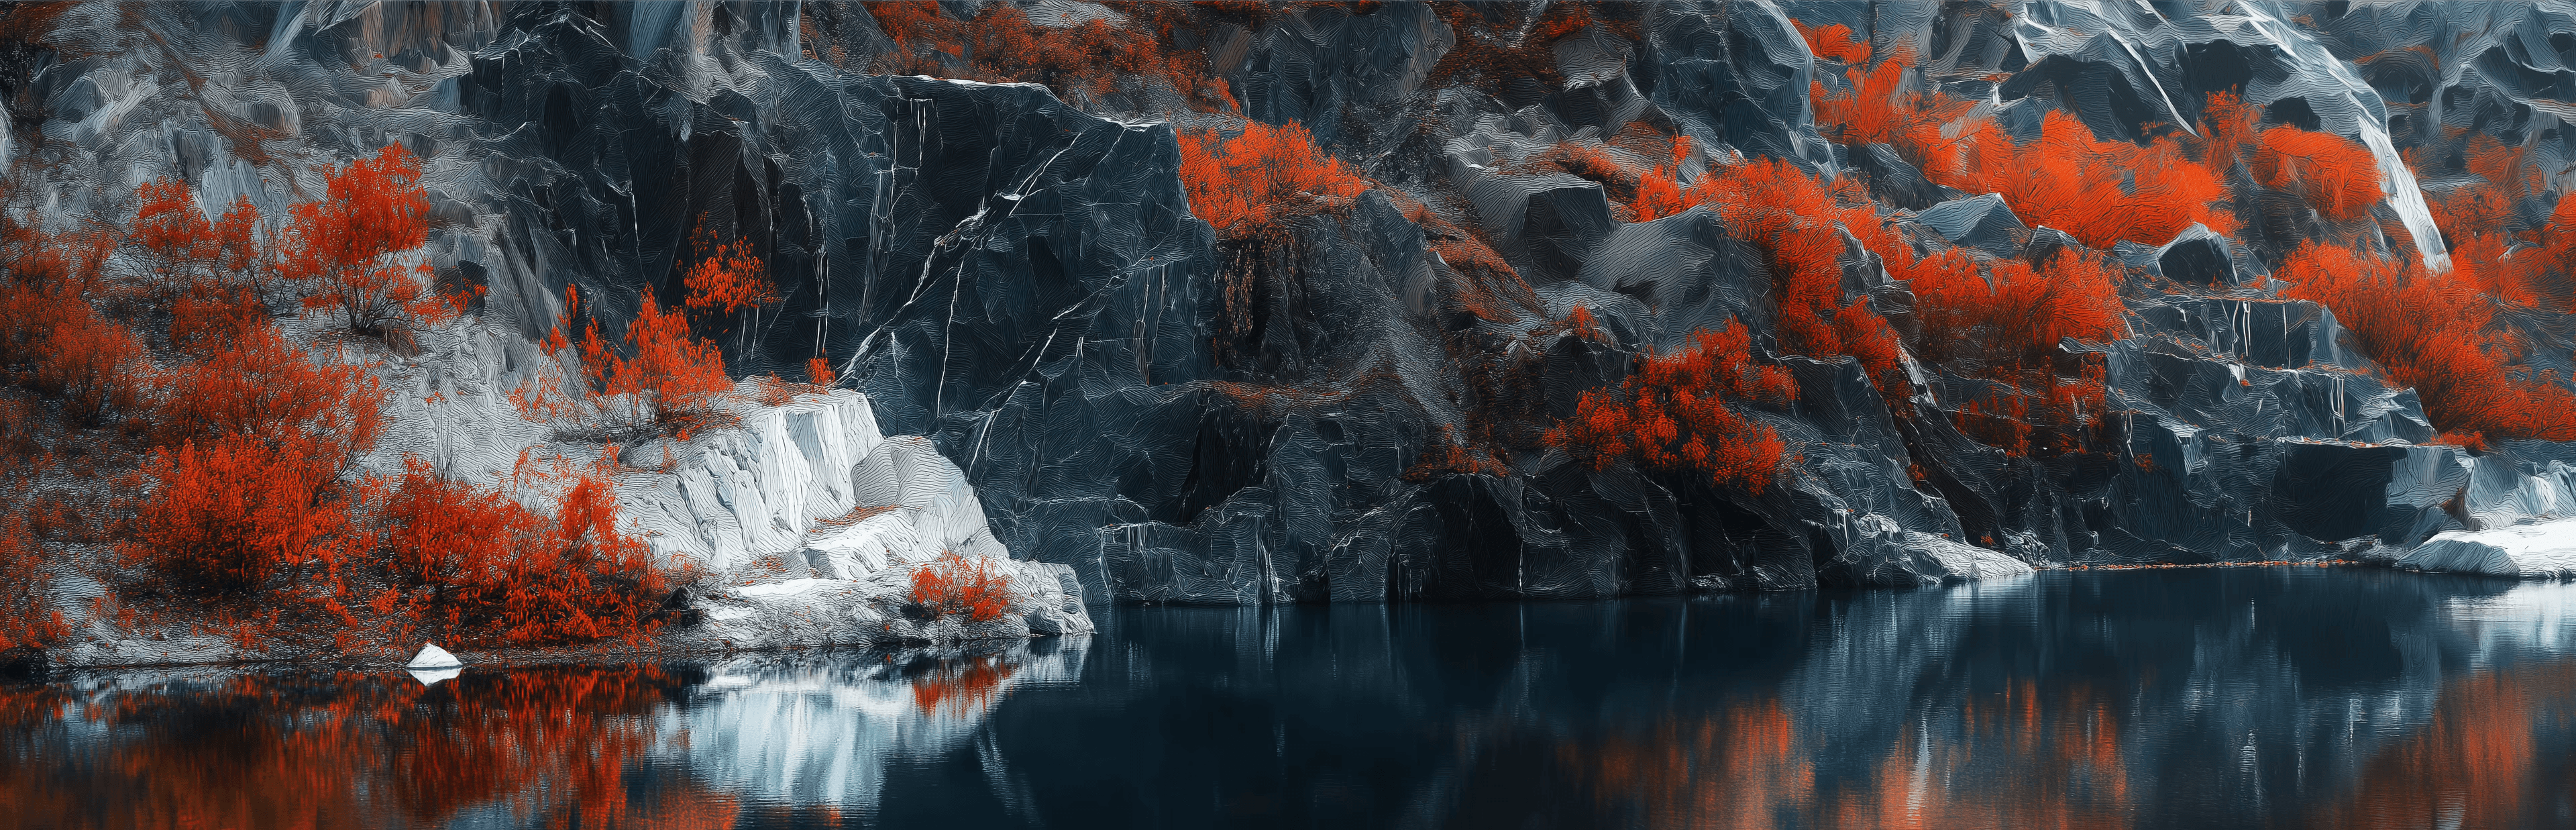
x: 1173, y: 413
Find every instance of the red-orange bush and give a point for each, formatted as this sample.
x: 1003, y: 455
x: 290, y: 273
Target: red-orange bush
x: 2439, y: 336
x: 1835, y: 42
x: 2101, y: 192
x: 346, y: 248
x: 235, y: 516
x: 2337, y: 176
x: 1254, y: 175
x: 2013, y: 312
x: 262, y: 387
x: 958, y: 584
x: 1677, y: 412
x: 179, y: 247
x: 477, y: 567
x: 818, y: 372
x: 671, y: 379
x: 727, y: 276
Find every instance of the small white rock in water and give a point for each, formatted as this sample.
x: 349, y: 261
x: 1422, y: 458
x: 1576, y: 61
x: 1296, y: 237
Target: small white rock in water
x: 433, y: 657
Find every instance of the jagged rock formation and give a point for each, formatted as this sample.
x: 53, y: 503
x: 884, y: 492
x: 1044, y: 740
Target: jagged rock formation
x: 1161, y: 414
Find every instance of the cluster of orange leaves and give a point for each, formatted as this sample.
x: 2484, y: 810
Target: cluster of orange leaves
x: 346, y: 248
x: 2438, y: 335
x: 1798, y: 222
x: 956, y: 583
x: 2100, y: 192
x: 1679, y: 412
x: 666, y: 377
x: 727, y: 277
x: 1260, y: 175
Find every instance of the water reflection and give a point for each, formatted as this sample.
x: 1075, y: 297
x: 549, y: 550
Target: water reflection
x: 2204, y: 698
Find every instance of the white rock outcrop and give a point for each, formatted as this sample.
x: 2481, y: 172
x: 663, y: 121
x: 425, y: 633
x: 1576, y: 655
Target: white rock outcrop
x: 2540, y: 549
x: 810, y: 523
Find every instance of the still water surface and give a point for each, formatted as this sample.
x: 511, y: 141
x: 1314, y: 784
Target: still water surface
x: 2187, y: 698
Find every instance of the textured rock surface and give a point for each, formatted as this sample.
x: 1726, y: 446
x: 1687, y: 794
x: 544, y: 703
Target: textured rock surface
x: 2543, y: 549
x: 1105, y: 394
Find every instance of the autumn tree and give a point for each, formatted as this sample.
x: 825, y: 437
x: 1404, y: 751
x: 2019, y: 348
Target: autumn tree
x: 666, y: 378
x: 349, y: 249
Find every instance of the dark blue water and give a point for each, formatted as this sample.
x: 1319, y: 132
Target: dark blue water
x: 2295, y: 697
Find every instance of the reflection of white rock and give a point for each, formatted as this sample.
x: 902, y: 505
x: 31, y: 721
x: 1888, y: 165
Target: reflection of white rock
x: 2535, y: 616
x: 2539, y: 549
x: 825, y: 735
x: 430, y: 677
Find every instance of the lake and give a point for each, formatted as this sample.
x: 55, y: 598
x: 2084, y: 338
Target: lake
x: 2237, y: 697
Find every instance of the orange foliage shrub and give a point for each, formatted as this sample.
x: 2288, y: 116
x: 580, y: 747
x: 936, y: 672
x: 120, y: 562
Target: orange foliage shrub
x: 2015, y: 312
x: 1796, y: 221
x: 958, y: 584
x: 260, y: 386
x: 1257, y: 174
x: 2438, y: 336
x: 345, y: 248
x: 26, y: 620
x: 230, y: 518
x: 671, y: 380
x: 1677, y: 413
x: 2477, y: 220
x: 727, y: 277
x: 179, y: 246
x: 477, y: 567
x: 1881, y: 110
x: 1834, y: 43
x: 2337, y: 176
x: 2100, y: 192
x: 818, y: 372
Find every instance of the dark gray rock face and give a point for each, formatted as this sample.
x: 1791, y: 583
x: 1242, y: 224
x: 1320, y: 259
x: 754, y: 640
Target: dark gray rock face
x: 1180, y: 417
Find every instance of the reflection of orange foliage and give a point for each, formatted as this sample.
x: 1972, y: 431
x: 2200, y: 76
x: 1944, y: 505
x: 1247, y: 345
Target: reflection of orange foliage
x: 2437, y: 335
x: 2072, y: 743
x: 2476, y: 763
x: 550, y: 745
x: 1252, y: 176
x: 963, y: 687
x: 1744, y: 767
x: 1677, y: 412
